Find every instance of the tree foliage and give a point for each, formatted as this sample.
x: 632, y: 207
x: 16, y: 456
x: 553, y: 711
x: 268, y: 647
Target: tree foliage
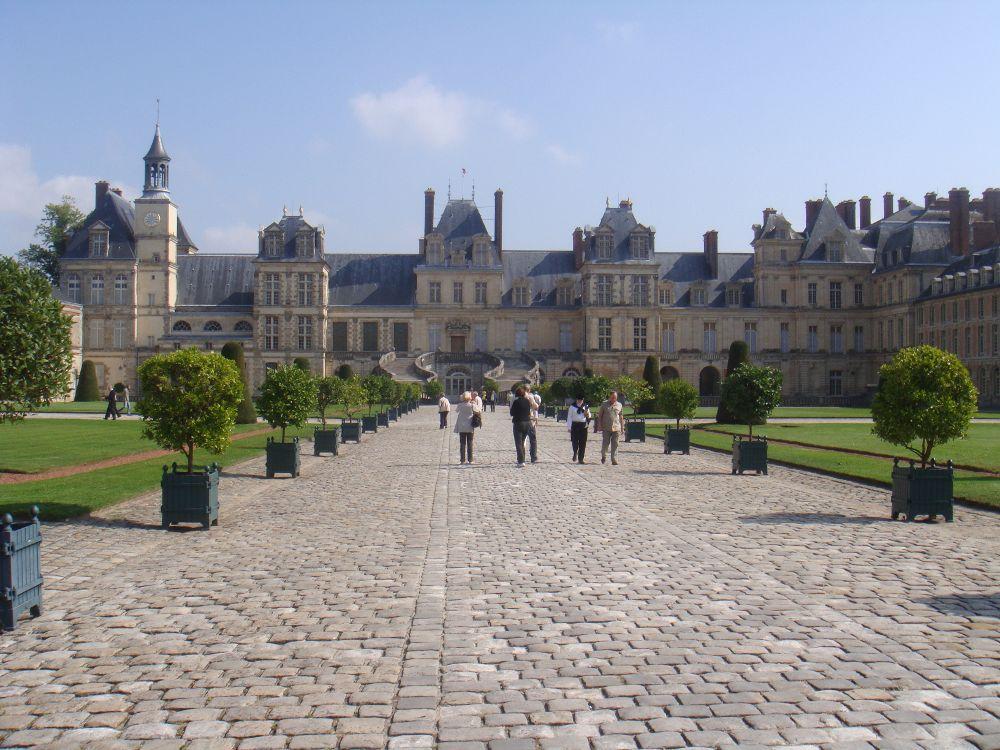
x: 189, y: 401
x: 302, y: 363
x: 651, y: 374
x: 86, y: 386
x: 329, y: 391
x: 739, y: 353
x: 59, y: 220
x: 489, y: 384
x: 35, y: 351
x: 924, y: 396
x: 345, y: 372
x: 433, y: 389
x: 751, y: 393
x: 378, y: 390
x: 635, y: 392
x: 678, y: 399
x: 353, y: 396
x: 245, y: 413
x: 286, y: 398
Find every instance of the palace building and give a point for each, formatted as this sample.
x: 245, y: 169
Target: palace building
x: 827, y: 303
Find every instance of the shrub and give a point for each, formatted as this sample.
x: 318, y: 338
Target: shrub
x: 378, y: 390
x: 563, y: 388
x: 286, y: 398
x: 86, y: 386
x: 651, y: 374
x: 739, y: 354
x: 345, y: 372
x: 189, y: 400
x: 302, y: 363
x: 433, y: 389
x: 353, y: 396
x: 329, y: 391
x: 489, y: 384
x: 595, y: 388
x: 245, y: 413
x: 634, y: 392
x: 926, y: 395
x: 415, y: 391
x: 751, y: 393
x: 678, y: 400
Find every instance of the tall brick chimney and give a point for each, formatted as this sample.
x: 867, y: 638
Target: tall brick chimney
x: 903, y: 203
x: 428, y: 211
x: 579, y: 249
x: 768, y: 212
x: 958, y: 210
x: 984, y: 235
x: 498, y: 220
x: 812, y: 211
x: 846, y: 211
x: 865, y: 204
x: 100, y: 190
x: 991, y: 205
x: 711, y: 238
x: 929, y: 199
x: 887, y: 205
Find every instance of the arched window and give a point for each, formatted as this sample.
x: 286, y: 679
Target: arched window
x: 669, y: 373
x: 182, y: 326
x: 458, y: 381
x: 243, y: 327
x: 570, y: 373
x: 73, y: 287
x: 97, y: 289
x: 708, y: 382
x: 212, y: 325
x: 121, y: 289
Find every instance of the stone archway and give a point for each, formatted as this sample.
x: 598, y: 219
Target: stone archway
x: 669, y: 373
x: 708, y: 382
x: 458, y: 380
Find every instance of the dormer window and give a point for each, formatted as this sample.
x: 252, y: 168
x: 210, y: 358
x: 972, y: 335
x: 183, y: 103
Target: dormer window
x: 835, y: 251
x: 603, y: 244
x: 640, y: 245
x: 521, y: 294
x: 304, y: 245
x: 733, y: 297
x: 480, y: 253
x: 698, y: 296
x: 565, y: 295
x: 272, y: 245
x: 99, y: 243
x: 666, y: 295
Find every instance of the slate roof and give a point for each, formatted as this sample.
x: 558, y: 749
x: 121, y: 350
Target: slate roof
x: 829, y: 226
x: 981, y: 259
x: 290, y: 226
x: 777, y: 227
x: 683, y: 270
x: 372, y: 279
x: 460, y: 222
x: 621, y: 220
x: 156, y: 150
x: 542, y: 268
x: 215, y: 280
x: 117, y: 213
x: 917, y: 236
x: 183, y: 238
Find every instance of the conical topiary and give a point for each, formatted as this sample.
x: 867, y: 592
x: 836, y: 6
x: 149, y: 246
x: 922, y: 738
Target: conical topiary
x: 739, y: 353
x: 651, y: 374
x: 86, y: 387
x: 245, y: 413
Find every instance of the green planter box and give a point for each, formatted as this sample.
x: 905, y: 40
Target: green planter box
x: 927, y: 491
x: 325, y: 441
x: 392, y: 414
x: 282, y: 458
x: 404, y: 408
x: 635, y: 429
x: 190, y: 498
x: 678, y: 439
x: 562, y: 413
x: 550, y: 411
x: 749, y: 455
x: 20, y: 569
x: 369, y: 424
x: 383, y: 419
x: 350, y: 431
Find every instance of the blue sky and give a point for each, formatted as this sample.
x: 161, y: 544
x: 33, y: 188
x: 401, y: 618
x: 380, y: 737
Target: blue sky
x: 702, y: 113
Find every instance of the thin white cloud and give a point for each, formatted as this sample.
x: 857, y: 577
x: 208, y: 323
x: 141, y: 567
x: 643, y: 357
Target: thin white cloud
x: 238, y: 238
x: 23, y: 193
x: 418, y: 111
x: 619, y: 32
x: 561, y: 155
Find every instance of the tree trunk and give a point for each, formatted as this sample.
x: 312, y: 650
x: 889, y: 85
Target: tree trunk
x: 282, y: 433
x: 190, y: 455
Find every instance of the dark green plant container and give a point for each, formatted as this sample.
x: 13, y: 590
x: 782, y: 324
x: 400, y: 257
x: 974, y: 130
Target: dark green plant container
x: 678, y: 439
x: 20, y: 569
x: 350, y: 431
x: 635, y: 429
x: 190, y: 498
x: 383, y: 418
x: 550, y: 411
x: 749, y: 454
x: 392, y: 414
x: 404, y: 408
x: 282, y: 458
x: 369, y: 424
x: 925, y: 491
x: 326, y: 441
x: 562, y: 413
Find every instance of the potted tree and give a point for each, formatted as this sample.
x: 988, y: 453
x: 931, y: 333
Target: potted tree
x: 394, y: 397
x: 189, y: 400
x: 433, y: 390
x: 678, y: 400
x: 352, y: 395
x: 416, y: 391
x: 328, y: 392
x: 750, y: 394
x: 286, y: 398
x: 925, y: 399
x: 634, y: 393
x: 372, y: 387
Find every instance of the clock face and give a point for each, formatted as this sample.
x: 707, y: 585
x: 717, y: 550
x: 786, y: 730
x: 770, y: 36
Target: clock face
x: 152, y: 219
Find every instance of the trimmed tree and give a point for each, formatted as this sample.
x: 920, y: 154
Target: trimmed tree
x: 329, y: 391
x: 925, y: 398
x: 345, y: 372
x: 433, y: 389
x: 35, y: 354
x: 595, y: 389
x: 245, y: 413
x: 353, y: 397
x: 376, y: 390
x: 86, y: 386
x: 651, y: 374
x: 489, y: 384
x: 286, y: 398
x: 302, y: 363
x: 632, y: 391
x: 678, y: 400
x: 189, y: 401
x: 751, y: 393
x: 739, y: 354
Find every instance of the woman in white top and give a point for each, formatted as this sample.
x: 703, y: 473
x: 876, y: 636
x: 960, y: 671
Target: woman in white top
x: 577, y: 418
x: 464, y: 427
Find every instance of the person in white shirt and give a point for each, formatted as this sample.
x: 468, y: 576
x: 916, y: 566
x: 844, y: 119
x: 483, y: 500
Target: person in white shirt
x: 477, y: 400
x: 535, y: 400
x: 577, y: 418
x: 444, y: 406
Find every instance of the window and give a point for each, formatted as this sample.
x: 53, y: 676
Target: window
x: 639, y: 334
x: 401, y: 337
x: 954, y: 342
x: 881, y: 336
x: 520, y: 335
x: 954, y: 311
x: 859, y: 338
x: 96, y: 335
x: 982, y: 340
x: 119, y: 334
x: 708, y: 344
x: 968, y: 309
x: 811, y: 293
x: 859, y: 294
x: 481, y: 255
x: 99, y: 244
x: 435, y: 253
x: 982, y: 308
x: 521, y: 296
x: 73, y: 287
x: 97, y: 289
x: 996, y: 339
x: 835, y: 251
x: 666, y: 298
x: 604, y: 334
x: 899, y: 331
x: 750, y: 335
x: 899, y: 290
x: 369, y: 336
x: 565, y: 337
x: 272, y: 245
x: 968, y: 342
x: 784, y: 296
x: 603, y: 243
x: 182, y: 326
x: 698, y: 296
x: 270, y: 333
x: 272, y: 289
x: 933, y: 339
x: 812, y: 342
x: 888, y: 291
x: 733, y: 297
x: 151, y: 299
x: 783, y: 254
x: 305, y: 333
x: 920, y: 316
x: 480, y: 333
x: 892, y: 336
x: 457, y: 292
x: 305, y: 289
x: 836, y: 383
x: 930, y: 314
x: 304, y: 244
x: 243, y: 327
x: 434, y: 291
x: 434, y: 337
x: 837, y: 339
x: 785, y: 338
x: 480, y: 292
x: 640, y: 245
x: 603, y: 291
x: 640, y: 291
x: 668, y: 338
x: 121, y: 289
x: 834, y: 295
x: 156, y: 257
x: 213, y: 325
x: 564, y: 296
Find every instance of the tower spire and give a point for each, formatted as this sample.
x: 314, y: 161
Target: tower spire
x: 157, y: 162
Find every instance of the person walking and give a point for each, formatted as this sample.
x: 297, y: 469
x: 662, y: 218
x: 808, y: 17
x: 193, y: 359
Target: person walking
x: 536, y: 401
x: 520, y: 417
x: 112, y: 410
x: 465, y: 425
x: 577, y: 419
x: 128, y: 401
x: 611, y: 424
x: 492, y: 399
x: 444, y: 407
x: 477, y: 400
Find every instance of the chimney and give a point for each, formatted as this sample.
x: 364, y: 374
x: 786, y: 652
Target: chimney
x: 958, y: 215
x: 579, y: 249
x: 887, y: 205
x: 984, y: 235
x: 866, y: 211
x: 812, y: 211
x: 711, y: 238
x: 991, y: 205
x: 100, y: 190
x: 118, y: 192
x: 845, y: 209
x: 428, y: 211
x: 903, y: 203
x: 929, y: 199
x: 768, y: 212
x: 498, y: 220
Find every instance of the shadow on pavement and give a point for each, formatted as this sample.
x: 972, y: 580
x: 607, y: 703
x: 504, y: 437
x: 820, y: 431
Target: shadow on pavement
x: 966, y: 605
x: 814, y: 518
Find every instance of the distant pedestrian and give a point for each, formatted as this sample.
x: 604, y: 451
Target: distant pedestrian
x: 520, y: 416
x: 444, y: 406
x: 611, y: 424
x: 491, y: 399
x: 536, y: 401
x: 128, y: 400
x: 477, y: 400
x: 465, y: 413
x: 577, y: 419
x: 112, y: 410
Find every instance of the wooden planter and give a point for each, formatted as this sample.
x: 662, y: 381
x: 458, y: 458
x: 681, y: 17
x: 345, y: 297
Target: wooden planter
x: 677, y: 439
x: 20, y: 569
x: 190, y: 498
x: 282, y: 458
x: 325, y: 441
x: 383, y: 419
x: 350, y: 431
x: 369, y: 424
x: 635, y: 429
x: 562, y: 413
x: 925, y: 491
x: 749, y: 454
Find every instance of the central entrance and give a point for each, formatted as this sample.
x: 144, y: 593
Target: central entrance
x: 458, y: 380
x: 458, y: 344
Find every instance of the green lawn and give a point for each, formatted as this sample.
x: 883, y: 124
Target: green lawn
x: 975, y: 487
x: 809, y: 412
x: 77, y: 407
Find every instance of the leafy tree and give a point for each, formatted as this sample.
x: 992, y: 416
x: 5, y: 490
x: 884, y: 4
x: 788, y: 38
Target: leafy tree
x: 651, y: 374
x: 86, y: 386
x: 245, y: 413
x: 751, y: 394
x: 739, y: 353
x: 353, y: 396
x: 544, y: 390
x: 563, y: 388
x: 329, y: 391
x: 678, y: 399
x: 286, y: 398
x: 35, y: 353
x: 596, y: 388
x: 415, y: 391
x: 302, y: 363
x: 377, y: 390
x: 345, y: 372
x: 59, y: 220
x: 635, y: 392
x: 433, y: 389
x: 926, y: 395
x: 489, y: 384
x: 189, y: 400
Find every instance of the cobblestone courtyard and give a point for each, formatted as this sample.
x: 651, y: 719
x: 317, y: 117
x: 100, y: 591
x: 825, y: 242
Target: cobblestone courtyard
x: 390, y: 597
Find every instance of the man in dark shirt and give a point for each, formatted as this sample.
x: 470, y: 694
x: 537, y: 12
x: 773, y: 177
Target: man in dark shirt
x: 112, y: 410
x: 520, y: 415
